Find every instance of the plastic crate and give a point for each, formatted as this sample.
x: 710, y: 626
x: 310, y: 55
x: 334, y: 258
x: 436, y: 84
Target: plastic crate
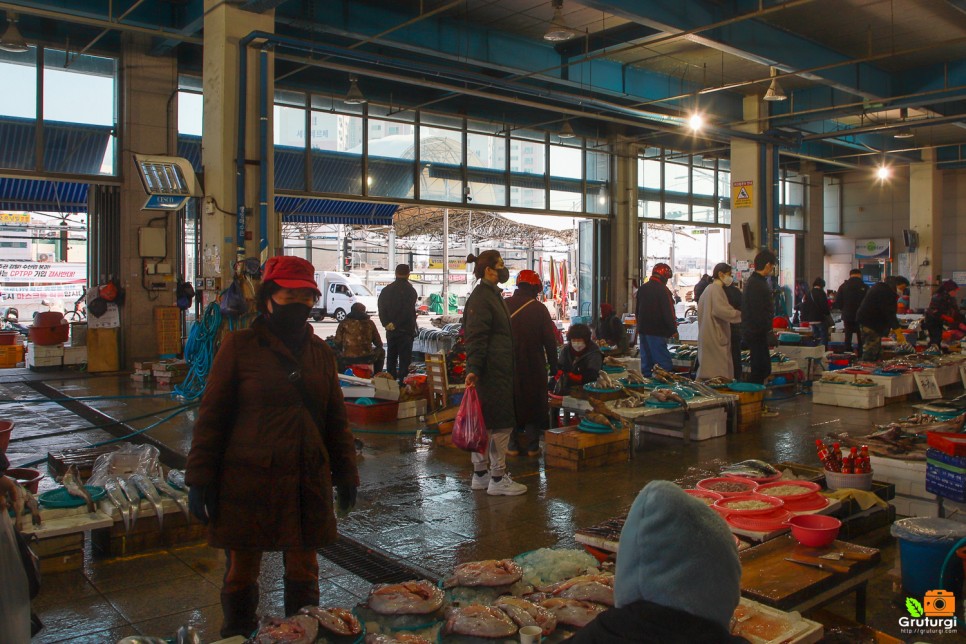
x: 383, y: 412
x: 953, y: 444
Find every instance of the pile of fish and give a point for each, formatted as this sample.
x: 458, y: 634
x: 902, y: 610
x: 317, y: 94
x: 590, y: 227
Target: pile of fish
x: 666, y: 395
x: 752, y: 468
x: 300, y: 629
x: 685, y: 352
x: 717, y: 381
x: 635, y: 376
x: 125, y: 494
x: 406, y: 598
x: 338, y: 621
x: 903, y: 439
x: 604, y: 381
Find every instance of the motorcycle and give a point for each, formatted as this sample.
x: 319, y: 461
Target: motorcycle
x: 11, y: 321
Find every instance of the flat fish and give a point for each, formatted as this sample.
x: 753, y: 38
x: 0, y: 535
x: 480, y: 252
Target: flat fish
x: 179, y: 498
x: 525, y: 613
x: 119, y: 501
x: 176, y: 478
x: 407, y: 598
x: 396, y: 638
x: 335, y: 620
x: 572, y: 612
x: 762, y: 468
x: 590, y: 591
x: 300, y: 629
x: 133, y: 496
x: 477, y: 620
x: 491, y: 572
x: 147, y: 489
x: 74, y: 487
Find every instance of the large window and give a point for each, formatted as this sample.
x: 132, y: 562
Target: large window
x: 791, y: 201
x: 680, y: 187
x: 486, y: 162
x: 832, y: 215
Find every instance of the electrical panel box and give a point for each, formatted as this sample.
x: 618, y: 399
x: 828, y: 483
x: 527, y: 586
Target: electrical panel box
x: 152, y: 242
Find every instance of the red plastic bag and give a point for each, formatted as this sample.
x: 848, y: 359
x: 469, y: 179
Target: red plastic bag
x: 469, y: 431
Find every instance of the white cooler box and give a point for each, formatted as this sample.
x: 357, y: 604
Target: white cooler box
x: 704, y: 423
x: 848, y: 396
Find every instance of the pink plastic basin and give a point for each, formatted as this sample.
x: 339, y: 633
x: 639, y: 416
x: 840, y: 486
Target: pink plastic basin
x: 814, y: 530
x: 27, y: 477
x: 6, y: 428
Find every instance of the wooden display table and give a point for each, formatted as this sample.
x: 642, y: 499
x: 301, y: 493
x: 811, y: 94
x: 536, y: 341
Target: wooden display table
x: 768, y: 578
x: 571, y: 449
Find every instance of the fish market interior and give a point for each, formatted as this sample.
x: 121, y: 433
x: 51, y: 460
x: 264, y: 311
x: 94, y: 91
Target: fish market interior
x: 376, y: 321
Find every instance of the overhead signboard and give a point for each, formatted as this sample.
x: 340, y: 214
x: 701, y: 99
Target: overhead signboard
x: 164, y: 202
x: 168, y: 181
x: 14, y: 218
x: 873, y: 249
x: 52, y: 273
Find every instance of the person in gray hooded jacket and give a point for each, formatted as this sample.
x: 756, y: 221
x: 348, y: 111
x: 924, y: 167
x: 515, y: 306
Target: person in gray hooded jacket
x: 678, y: 577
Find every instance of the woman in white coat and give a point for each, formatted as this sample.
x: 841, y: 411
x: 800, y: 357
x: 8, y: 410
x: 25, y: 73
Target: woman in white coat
x: 715, y: 317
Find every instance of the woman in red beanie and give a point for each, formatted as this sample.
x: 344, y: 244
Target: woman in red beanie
x: 270, y: 442
x: 943, y: 310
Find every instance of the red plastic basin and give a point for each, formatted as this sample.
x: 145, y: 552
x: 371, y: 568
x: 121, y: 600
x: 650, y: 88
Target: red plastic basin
x: 814, y: 530
x: 27, y: 477
x: 6, y: 428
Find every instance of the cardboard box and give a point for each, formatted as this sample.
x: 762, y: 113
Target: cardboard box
x: 848, y: 396
x: 386, y: 389
x: 411, y: 408
x: 704, y: 424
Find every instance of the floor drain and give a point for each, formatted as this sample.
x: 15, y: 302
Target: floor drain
x: 371, y: 564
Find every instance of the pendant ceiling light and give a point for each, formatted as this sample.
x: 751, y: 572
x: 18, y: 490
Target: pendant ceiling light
x: 558, y: 30
x: 354, y: 96
x: 775, y: 91
x: 566, y: 130
x: 904, y: 132
x: 12, y: 40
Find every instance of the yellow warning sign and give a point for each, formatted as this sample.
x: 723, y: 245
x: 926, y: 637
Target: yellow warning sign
x: 741, y: 194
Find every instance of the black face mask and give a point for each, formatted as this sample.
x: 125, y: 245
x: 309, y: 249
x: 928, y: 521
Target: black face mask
x: 289, y: 319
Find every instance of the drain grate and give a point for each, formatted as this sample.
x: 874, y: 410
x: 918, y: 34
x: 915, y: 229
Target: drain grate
x: 371, y: 564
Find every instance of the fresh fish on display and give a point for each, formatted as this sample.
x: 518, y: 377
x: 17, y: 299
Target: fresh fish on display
x: 633, y: 375
x: 477, y: 620
x: 300, y: 629
x: 604, y: 381
x: 573, y: 612
x: 30, y: 503
x: 148, y: 491
x: 335, y: 620
x: 630, y: 402
x: 407, y: 598
x: 396, y: 638
x: 74, y: 487
x: 119, y: 501
x: 600, y: 419
x: 180, y: 498
x: 133, y: 496
x: 187, y: 635
x: 593, y: 588
x: 526, y: 613
x: 176, y: 478
x: 491, y: 572
x: 753, y: 468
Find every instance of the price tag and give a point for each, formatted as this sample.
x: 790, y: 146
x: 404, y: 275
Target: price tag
x: 928, y: 386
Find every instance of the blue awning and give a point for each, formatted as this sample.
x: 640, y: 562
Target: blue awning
x: 42, y: 195
x: 71, y: 148
x: 306, y: 210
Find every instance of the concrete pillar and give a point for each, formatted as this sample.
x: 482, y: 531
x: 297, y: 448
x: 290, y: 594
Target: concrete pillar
x: 225, y: 25
x: 925, y: 216
x: 149, y: 85
x: 814, y: 224
x: 752, y: 187
x: 625, y: 233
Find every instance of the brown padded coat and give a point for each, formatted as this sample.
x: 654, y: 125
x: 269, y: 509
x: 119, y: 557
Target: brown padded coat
x: 257, y: 443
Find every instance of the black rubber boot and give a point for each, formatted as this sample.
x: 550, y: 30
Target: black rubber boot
x: 238, y: 609
x: 299, y: 594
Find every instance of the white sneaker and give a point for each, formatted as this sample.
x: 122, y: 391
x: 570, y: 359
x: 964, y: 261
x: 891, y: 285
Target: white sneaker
x: 505, y: 487
x: 480, y: 482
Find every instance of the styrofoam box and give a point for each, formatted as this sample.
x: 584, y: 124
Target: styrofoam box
x: 894, y: 385
x: 45, y: 351
x: 705, y: 424
x: 848, y: 396
x: 387, y: 389
x: 410, y: 408
x: 910, y: 506
x: 44, y: 362
x: 909, y: 477
x: 75, y: 355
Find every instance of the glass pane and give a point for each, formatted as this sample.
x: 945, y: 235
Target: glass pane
x: 337, y: 163
x: 570, y: 201
x: 285, y: 97
x: 832, y: 197
x: 702, y: 181
x: 649, y: 209
x: 565, y: 162
x: 19, y: 71
x: 486, y: 162
x: 724, y: 195
x: 394, y: 113
x: 598, y: 182
x: 190, y: 106
x: 440, y: 162
x: 794, y: 217
x: 334, y: 104
x: 527, y: 158
x: 392, y: 153
x: 289, y: 123
x: 649, y: 174
x: 429, y: 118
x: 703, y: 213
x: 677, y: 186
x: 78, y: 134
x: 188, y: 82
x: 566, y: 170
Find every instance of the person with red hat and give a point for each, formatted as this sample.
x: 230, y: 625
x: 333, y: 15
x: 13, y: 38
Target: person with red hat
x: 534, y: 347
x: 270, y: 442
x: 943, y: 311
x: 656, y: 321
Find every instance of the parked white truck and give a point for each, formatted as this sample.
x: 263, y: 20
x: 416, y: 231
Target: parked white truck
x: 339, y: 293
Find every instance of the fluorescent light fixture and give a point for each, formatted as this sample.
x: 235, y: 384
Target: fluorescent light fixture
x: 12, y: 40
x: 566, y: 130
x: 903, y: 133
x: 775, y: 91
x: 696, y: 122
x: 354, y: 96
x: 558, y: 30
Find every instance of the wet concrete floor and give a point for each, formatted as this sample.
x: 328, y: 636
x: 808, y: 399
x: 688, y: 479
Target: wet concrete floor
x: 414, y: 504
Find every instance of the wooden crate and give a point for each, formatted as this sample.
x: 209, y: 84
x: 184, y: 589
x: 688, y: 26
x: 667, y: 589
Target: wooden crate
x: 572, y: 449
x: 59, y: 554
x: 82, y: 457
x: 145, y: 534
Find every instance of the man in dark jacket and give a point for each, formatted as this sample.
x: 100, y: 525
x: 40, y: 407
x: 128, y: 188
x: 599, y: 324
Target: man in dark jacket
x: 678, y: 577
x: 847, y: 300
x: 534, y: 347
x: 877, y: 314
x: 656, y: 321
x: 702, y: 284
x: 814, y: 310
x: 757, y: 311
x: 734, y: 299
x: 490, y: 368
x: 610, y: 328
x: 397, y: 312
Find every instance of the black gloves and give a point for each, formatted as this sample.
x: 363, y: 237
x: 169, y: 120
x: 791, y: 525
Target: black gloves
x: 346, y: 497
x: 203, y: 502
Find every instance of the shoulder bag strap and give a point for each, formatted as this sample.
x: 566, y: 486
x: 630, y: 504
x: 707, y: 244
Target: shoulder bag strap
x: 528, y: 303
x: 294, y: 376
